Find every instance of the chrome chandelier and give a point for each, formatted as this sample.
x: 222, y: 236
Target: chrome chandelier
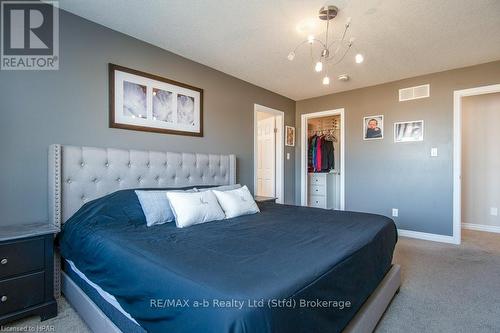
x: 332, y: 50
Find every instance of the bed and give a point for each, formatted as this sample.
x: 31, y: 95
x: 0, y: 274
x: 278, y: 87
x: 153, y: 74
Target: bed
x: 292, y: 268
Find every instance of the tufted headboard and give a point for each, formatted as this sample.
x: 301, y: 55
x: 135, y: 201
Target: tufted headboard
x: 79, y: 174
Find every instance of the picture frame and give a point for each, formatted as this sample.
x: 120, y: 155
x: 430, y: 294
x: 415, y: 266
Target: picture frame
x: 409, y: 131
x: 289, y: 136
x: 373, y: 127
x: 146, y: 102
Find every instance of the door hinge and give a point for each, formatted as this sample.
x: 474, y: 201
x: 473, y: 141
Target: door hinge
x: 275, y: 130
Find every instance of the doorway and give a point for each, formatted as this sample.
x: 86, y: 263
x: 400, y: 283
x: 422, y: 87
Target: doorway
x: 462, y: 178
x: 269, y: 153
x: 323, y: 186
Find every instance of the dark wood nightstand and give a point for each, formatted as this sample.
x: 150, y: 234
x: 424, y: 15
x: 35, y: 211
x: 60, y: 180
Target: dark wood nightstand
x: 259, y: 198
x: 27, y: 271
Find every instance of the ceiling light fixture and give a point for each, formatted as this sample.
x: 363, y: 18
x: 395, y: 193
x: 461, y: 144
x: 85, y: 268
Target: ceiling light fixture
x: 332, y: 50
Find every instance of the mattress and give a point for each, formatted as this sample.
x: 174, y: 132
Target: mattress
x: 105, y: 301
x: 271, y: 261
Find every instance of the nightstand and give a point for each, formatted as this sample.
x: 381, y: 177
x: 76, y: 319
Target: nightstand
x: 27, y: 271
x: 259, y: 198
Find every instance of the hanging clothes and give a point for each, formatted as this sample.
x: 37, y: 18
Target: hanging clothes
x: 327, y: 155
x: 311, y: 153
x: 320, y: 154
x: 317, y: 166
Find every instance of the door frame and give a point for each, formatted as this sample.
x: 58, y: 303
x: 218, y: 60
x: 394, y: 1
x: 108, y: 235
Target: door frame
x: 303, y: 152
x: 279, y: 174
x: 457, y: 152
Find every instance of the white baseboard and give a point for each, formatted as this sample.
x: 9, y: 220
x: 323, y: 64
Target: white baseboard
x: 481, y: 227
x: 427, y: 236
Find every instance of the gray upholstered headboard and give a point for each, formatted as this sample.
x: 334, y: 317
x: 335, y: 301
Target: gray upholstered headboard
x: 79, y: 174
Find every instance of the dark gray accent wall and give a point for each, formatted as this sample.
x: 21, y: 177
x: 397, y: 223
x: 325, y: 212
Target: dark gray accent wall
x: 70, y: 106
x: 381, y: 175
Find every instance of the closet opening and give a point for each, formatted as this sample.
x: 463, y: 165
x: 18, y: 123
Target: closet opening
x: 480, y: 162
x: 322, y: 154
x: 268, y: 153
x: 476, y: 198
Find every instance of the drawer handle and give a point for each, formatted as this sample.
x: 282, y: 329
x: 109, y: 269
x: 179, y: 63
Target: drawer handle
x: 4, y: 261
x: 4, y: 299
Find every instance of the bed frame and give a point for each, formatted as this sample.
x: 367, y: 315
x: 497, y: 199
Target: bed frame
x: 79, y: 174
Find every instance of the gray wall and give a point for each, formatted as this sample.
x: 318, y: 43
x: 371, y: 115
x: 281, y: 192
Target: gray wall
x: 70, y: 106
x: 480, y: 159
x: 381, y: 175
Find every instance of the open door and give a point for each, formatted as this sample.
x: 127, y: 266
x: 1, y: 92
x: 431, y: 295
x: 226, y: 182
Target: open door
x: 266, y: 158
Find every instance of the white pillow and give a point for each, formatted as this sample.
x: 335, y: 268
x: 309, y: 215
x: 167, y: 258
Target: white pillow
x: 156, y: 207
x: 194, y: 208
x: 237, y: 202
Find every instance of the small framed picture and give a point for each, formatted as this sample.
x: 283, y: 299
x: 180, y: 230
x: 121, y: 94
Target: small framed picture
x: 146, y: 102
x: 373, y: 127
x: 289, y: 136
x: 409, y: 131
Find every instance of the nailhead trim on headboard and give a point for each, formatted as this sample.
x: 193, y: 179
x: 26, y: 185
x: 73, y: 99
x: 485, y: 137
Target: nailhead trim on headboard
x: 55, y: 185
x: 80, y: 174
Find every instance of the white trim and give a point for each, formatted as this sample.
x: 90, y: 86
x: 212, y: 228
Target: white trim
x: 481, y: 227
x: 427, y: 236
x: 280, y: 150
x: 457, y: 151
x: 303, y: 153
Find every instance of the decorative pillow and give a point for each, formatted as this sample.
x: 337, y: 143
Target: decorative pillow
x: 237, y: 202
x: 194, y: 208
x: 156, y: 207
x: 219, y: 188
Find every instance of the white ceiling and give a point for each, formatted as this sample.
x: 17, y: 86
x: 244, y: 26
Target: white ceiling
x: 251, y: 39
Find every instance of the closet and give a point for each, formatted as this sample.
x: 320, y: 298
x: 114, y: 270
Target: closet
x: 323, y: 156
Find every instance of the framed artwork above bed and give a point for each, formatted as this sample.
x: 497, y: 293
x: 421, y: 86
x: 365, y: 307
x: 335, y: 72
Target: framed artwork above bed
x: 146, y: 102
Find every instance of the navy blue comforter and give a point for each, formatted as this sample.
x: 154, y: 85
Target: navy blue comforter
x: 324, y: 263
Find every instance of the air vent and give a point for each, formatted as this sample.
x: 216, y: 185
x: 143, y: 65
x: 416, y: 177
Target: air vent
x: 417, y: 92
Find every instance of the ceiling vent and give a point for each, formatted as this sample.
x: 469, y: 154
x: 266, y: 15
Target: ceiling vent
x: 407, y: 94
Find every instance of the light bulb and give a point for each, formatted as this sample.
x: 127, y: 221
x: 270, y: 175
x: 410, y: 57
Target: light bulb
x: 318, y: 67
x: 326, y: 80
x: 291, y: 56
x: 359, y: 58
x: 310, y: 39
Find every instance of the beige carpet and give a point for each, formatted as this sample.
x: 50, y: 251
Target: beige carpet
x: 446, y: 288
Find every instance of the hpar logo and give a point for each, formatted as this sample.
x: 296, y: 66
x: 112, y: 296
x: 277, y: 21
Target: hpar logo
x: 30, y: 35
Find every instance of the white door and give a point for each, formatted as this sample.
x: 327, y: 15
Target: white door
x: 266, y: 145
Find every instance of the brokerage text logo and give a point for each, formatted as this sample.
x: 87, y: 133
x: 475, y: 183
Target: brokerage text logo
x: 29, y: 35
